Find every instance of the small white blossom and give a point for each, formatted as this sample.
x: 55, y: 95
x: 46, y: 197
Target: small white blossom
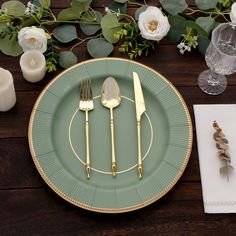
x: 31, y: 9
x: 182, y: 51
x: 195, y: 38
x: 33, y: 38
x: 181, y: 45
x: 233, y: 13
x: 153, y: 24
x: 107, y: 9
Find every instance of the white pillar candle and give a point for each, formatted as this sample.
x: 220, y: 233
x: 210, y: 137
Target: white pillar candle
x: 33, y: 65
x: 7, y: 90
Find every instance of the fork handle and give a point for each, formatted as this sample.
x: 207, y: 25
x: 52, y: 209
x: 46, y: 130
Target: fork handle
x: 113, y: 154
x: 88, y: 166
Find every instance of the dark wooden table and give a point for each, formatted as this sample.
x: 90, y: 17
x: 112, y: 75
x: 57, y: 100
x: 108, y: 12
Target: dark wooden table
x: 29, y: 207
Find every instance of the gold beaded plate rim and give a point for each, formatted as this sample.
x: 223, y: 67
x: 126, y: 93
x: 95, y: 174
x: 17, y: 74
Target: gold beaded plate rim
x: 110, y: 210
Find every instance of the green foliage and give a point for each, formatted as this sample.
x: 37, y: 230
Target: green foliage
x: 178, y: 26
x: 118, y: 7
x: 65, y: 33
x: 75, y: 11
x: 195, y: 27
x: 67, y: 59
x: 134, y: 44
x: 191, y: 27
x: 9, y: 46
x: 174, y: 7
x: 90, y: 29
x: 206, y: 4
x: 45, y: 3
x: 110, y: 26
x: 207, y: 23
x: 203, y: 43
x: 14, y: 8
x: 99, y: 47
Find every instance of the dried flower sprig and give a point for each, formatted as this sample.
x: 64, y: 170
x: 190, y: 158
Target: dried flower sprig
x: 222, y: 145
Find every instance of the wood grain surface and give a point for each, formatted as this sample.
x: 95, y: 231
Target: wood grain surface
x: 29, y: 207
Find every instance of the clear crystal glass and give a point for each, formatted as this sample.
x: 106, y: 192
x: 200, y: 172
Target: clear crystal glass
x: 220, y: 58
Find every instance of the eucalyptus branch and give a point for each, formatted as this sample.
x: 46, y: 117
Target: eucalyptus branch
x: 217, y: 13
x: 84, y: 40
x: 223, y: 147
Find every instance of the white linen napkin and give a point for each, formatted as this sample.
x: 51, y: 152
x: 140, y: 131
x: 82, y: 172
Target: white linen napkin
x: 219, y: 194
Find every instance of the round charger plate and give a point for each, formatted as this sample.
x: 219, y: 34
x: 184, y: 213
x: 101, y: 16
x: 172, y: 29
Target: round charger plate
x: 57, y: 138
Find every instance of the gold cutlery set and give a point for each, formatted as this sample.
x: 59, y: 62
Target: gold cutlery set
x: 111, y: 98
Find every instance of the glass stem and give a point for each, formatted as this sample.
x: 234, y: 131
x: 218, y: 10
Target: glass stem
x: 213, y: 79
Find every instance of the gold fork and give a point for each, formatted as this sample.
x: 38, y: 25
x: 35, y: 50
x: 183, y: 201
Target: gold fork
x: 86, y: 105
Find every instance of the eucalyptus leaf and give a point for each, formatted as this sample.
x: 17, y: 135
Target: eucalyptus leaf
x: 9, y: 46
x: 121, y: 1
x: 174, y: 7
x: 139, y: 11
x: 45, y: 3
x: 118, y: 7
x: 90, y: 29
x: 110, y: 25
x: 68, y: 14
x: 80, y: 6
x: 195, y: 26
x: 99, y: 47
x: 67, y: 59
x: 28, y: 22
x: 14, y: 8
x: 203, y: 43
x: 178, y: 27
x: 206, y: 4
x: 65, y: 33
x: 206, y: 23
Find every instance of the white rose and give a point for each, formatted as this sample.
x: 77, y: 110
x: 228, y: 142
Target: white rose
x: 153, y: 24
x: 33, y: 38
x: 233, y: 13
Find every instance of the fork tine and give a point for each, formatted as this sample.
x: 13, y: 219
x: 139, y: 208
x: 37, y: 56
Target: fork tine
x: 90, y: 89
x: 84, y: 90
x: 87, y: 89
x: 81, y: 90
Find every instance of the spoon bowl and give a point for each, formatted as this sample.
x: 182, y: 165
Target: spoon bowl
x: 110, y: 93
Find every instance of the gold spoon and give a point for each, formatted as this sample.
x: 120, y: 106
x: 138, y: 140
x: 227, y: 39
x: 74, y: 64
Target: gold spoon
x: 111, y: 98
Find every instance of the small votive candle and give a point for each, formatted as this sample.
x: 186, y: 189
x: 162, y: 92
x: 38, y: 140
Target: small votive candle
x: 33, y: 65
x: 7, y: 90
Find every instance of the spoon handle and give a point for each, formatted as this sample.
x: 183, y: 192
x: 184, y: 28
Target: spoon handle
x: 113, y: 154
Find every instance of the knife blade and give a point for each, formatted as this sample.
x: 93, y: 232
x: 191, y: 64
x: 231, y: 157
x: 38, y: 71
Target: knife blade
x: 140, y: 109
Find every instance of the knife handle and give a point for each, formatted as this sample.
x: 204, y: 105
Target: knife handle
x: 87, y: 164
x: 140, y: 166
x: 113, y: 154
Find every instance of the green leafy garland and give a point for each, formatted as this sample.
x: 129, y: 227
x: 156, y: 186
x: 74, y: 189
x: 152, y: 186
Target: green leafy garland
x: 102, y: 30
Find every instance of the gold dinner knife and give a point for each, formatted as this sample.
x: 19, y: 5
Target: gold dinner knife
x: 140, y: 109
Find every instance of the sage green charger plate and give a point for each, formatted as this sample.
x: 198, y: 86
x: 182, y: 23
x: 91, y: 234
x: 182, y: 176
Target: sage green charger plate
x: 57, y: 138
